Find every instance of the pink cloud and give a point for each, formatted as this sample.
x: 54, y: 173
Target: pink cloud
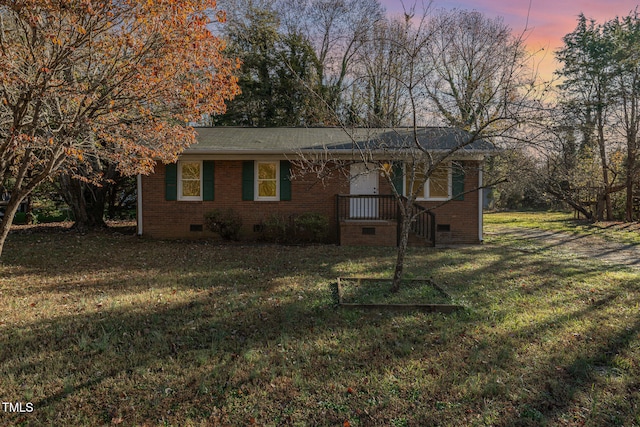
x: 547, y: 21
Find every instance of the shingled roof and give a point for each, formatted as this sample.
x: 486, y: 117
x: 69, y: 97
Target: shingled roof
x: 287, y: 140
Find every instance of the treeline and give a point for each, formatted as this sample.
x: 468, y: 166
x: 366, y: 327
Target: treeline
x: 304, y: 63
x: 315, y: 63
x: 586, y: 152
x: 345, y: 62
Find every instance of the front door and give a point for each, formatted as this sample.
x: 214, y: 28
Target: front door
x: 363, y: 183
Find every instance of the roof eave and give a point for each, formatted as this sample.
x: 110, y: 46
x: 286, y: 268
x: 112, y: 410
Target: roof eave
x: 338, y: 154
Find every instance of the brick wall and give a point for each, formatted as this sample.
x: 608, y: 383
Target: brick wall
x: 368, y: 233
x: 460, y: 215
x: 173, y: 219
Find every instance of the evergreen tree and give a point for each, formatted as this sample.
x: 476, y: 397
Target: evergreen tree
x: 278, y: 75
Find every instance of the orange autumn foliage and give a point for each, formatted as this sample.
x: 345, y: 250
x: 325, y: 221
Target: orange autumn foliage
x: 104, y: 80
x: 112, y: 78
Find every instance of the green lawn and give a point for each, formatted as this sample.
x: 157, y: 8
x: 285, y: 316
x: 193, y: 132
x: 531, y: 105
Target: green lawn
x: 109, y: 329
x: 566, y: 222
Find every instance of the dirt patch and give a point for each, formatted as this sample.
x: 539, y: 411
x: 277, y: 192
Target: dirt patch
x: 581, y: 246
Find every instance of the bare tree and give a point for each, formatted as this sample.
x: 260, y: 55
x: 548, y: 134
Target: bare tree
x: 469, y: 85
x: 377, y: 96
x: 338, y: 29
x: 569, y: 170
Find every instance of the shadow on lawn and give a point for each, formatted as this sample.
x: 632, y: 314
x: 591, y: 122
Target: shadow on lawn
x: 236, y: 305
x: 559, y: 379
x: 258, y: 336
x: 119, y: 265
x: 582, y: 374
x: 96, y: 351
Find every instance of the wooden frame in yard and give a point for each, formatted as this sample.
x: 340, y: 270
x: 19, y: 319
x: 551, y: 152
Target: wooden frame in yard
x: 436, y: 308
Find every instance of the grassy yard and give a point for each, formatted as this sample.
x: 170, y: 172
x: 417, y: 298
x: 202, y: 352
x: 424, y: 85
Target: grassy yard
x: 109, y: 329
x: 565, y: 222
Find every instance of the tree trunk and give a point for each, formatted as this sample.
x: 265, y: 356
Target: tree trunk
x: 29, y: 211
x: 96, y: 202
x: 7, y: 219
x: 605, y: 169
x: 405, y: 228
x: 112, y: 200
x: 86, y: 201
x: 601, y: 205
x: 631, y: 166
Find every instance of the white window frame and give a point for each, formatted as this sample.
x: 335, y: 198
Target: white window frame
x: 426, y: 189
x: 189, y: 198
x: 256, y: 182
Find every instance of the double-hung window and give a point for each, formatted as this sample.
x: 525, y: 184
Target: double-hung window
x: 439, y: 184
x: 267, y: 177
x: 190, y: 180
x: 436, y: 187
x: 266, y: 180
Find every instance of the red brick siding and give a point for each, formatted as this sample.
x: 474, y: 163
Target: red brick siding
x: 172, y: 219
x: 351, y: 233
x: 461, y: 215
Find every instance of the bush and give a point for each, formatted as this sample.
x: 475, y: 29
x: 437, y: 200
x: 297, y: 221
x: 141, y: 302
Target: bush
x: 311, y: 227
x: 308, y: 227
x: 227, y: 223
x: 20, y: 218
x: 277, y: 229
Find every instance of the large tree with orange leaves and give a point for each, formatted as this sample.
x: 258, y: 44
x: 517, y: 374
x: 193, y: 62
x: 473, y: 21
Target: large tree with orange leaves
x: 103, y: 80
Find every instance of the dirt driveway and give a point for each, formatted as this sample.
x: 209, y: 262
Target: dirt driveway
x: 581, y: 246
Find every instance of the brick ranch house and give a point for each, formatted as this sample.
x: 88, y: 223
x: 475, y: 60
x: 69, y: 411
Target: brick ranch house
x: 249, y: 170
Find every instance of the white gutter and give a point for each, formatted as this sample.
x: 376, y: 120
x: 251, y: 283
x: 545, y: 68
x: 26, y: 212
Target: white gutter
x: 480, y: 204
x: 139, y: 212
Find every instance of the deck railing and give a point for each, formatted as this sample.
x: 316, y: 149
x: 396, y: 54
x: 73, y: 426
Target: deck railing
x: 384, y: 207
x: 368, y: 207
x: 424, y: 224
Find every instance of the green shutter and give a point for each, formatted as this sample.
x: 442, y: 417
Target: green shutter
x: 458, y: 182
x: 285, y: 180
x: 171, y: 181
x: 397, y: 177
x: 247, y: 180
x: 208, y: 180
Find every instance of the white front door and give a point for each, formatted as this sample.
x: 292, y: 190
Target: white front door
x: 363, y: 182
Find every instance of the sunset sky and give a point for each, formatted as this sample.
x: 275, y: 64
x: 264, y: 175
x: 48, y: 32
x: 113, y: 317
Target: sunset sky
x: 548, y: 20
